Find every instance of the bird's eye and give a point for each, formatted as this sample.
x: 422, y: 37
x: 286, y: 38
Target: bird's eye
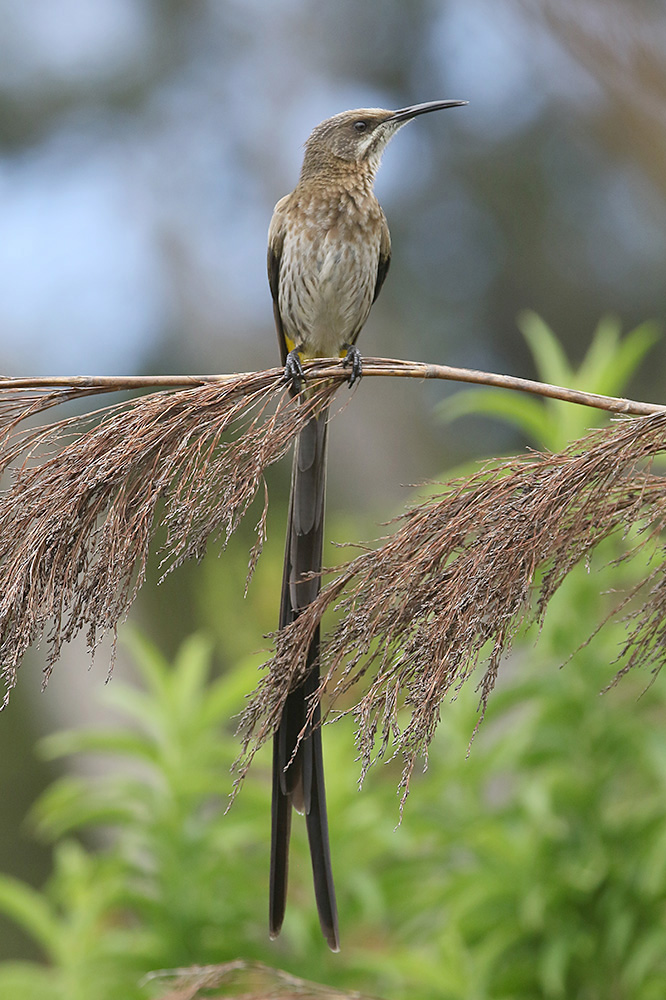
x: 360, y: 126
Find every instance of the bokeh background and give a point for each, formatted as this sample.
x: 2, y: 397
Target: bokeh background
x: 143, y: 145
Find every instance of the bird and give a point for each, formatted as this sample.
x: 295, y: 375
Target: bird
x: 329, y: 251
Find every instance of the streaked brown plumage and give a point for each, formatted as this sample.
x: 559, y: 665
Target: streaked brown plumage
x: 329, y: 250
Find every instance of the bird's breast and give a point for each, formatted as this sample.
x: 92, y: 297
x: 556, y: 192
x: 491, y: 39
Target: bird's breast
x: 328, y: 273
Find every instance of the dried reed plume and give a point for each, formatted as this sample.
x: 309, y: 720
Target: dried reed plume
x: 245, y: 980
x: 454, y: 584
x: 77, y: 521
x: 463, y: 572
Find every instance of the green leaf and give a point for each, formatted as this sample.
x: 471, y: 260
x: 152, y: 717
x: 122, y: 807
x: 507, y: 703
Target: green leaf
x: 30, y: 909
x: 549, y: 357
x: 553, y: 964
x: 525, y: 412
x: 600, y: 357
x: 121, y: 743
x: 624, y: 360
x: 151, y: 665
x: 26, y: 981
x: 646, y: 958
x: 551, y: 423
x: 190, y: 672
x: 226, y: 697
x: 69, y: 804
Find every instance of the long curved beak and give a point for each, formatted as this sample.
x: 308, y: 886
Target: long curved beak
x: 404, y: 114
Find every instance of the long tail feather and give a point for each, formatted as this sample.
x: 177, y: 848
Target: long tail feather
x: 298, y: 767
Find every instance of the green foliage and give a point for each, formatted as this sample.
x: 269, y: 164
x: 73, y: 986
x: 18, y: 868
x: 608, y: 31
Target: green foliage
x: 158, y: 895
x: 532, y: 867
x: 551, y: 423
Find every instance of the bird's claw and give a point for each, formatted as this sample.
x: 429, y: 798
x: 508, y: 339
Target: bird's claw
x: 293, y: 370
x: 354, y: 361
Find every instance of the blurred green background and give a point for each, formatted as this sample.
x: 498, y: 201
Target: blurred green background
x: 142, y: 147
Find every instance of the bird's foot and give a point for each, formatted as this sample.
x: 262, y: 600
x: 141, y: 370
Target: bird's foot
x: 293, y: 370
x: 354, y: 361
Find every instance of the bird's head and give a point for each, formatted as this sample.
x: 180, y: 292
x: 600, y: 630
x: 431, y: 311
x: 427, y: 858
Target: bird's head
x: 361, y: 136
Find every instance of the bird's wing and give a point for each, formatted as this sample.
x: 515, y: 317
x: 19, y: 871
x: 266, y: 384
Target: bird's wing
x: 384, y: 256
x: 275, y: 244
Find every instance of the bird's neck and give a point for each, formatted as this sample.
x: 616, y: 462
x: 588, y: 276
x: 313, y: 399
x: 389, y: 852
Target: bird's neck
x: 321, y: 170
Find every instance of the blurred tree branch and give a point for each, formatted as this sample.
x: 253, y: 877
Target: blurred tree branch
x: 621, y: 42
